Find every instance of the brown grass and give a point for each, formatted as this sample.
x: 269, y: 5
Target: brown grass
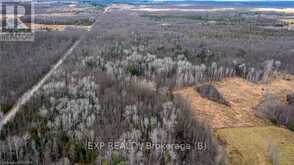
x: 277, y: 10
x: 58, y: 27
x: 250, y: 146
x: 49, y: 27
x: 245, y: 136
x: 243, y: 96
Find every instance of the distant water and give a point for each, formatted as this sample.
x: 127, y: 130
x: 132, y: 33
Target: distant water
x: 248, y: 4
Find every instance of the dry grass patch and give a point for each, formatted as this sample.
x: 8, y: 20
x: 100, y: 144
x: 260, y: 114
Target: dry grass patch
x: 289, y: 21
x: 251, y: 145
x: 48, y: 27
x: 59, y: 27
x: 277, y: 10
x: 246, y: 137
x: 243, y: 97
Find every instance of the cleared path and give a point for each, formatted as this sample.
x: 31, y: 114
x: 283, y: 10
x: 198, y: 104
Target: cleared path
x: 30, y: 93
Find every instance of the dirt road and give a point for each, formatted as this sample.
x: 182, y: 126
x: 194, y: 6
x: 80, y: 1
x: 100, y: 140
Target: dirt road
x: 29, y: 94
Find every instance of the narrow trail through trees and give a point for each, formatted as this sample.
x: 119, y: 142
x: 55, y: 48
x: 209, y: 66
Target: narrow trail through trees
x: 29, y: 94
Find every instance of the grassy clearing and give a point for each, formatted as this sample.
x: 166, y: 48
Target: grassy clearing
x: 58, y: 27
x: 198, y: 18
x: 221, y: 116
x: 289, y: 21
x: 243, y: 96
x: 246, y: 137
x: 250, y: 145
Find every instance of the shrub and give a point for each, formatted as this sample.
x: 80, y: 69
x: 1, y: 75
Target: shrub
x: 5, y: 107
x: 291, y: 126
x: 82, y: 155
x: 276, y: 111
x: 210, y: 92
x: 134, y: 70
x: 117, y: 160
x: 290, y: 99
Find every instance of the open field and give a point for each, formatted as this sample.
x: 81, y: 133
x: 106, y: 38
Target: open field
x: 196, y: 9
x: 251, y: 146
x: 246, y: 136
x: 50, y: 27
x: 62, y: 16
x: 243, y: 96
x: 290, y: 21
x: 277, y: 10
x: 221, y: 116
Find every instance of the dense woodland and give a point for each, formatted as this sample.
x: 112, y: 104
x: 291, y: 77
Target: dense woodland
x: 118, y: 84
x: 85, y: 20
